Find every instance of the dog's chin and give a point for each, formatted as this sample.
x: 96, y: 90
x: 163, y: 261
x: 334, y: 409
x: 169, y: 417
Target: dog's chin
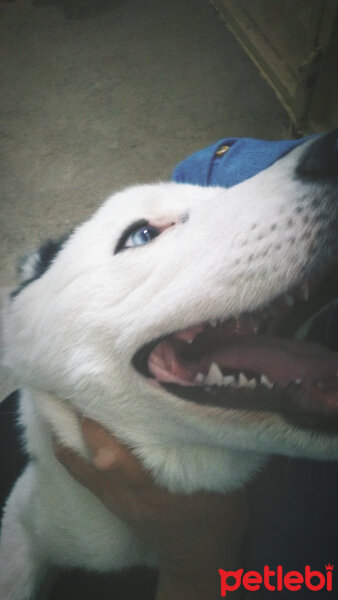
x: 281, y: 358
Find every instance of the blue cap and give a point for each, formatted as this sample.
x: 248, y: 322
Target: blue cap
x: 231, y: 160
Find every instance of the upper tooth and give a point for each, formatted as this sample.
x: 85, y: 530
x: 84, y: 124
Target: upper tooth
x: 265, y: 312
x: 265, y: 381
x: 304, y: 291
x: 214, y: 376
x: 288, y: 299
x: 302, y: 332
x: 213, y: 323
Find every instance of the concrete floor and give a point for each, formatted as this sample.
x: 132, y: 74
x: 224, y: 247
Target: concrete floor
x: 100, y: 94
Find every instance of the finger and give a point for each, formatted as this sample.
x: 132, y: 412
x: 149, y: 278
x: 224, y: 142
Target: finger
x: 109, y: 454
x: 103, y: 447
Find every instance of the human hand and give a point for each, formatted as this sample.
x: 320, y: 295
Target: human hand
x: 193, y: 534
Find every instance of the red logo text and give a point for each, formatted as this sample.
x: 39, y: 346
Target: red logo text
x: 276, y: 580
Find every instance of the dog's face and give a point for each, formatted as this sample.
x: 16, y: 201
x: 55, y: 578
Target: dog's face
x: 170, y: 314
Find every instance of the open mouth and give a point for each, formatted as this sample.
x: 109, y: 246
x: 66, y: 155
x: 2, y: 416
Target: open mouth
x: 281, y: 358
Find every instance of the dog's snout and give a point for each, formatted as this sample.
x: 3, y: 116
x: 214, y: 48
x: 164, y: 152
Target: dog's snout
x: 320, y: 159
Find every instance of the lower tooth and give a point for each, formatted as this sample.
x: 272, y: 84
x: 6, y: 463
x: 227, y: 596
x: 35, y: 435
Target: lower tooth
x: 214, y: 376
x: 265, y: 381
x: 242, y: 380
x: 252, y: 384
x: 229, y: 380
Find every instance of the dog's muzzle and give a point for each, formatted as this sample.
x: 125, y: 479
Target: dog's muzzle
x: 281, y: 358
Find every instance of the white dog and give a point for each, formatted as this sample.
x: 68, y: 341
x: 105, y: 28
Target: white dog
x: 164, y: 318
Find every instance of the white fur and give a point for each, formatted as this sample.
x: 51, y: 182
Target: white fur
x: 70, y: 336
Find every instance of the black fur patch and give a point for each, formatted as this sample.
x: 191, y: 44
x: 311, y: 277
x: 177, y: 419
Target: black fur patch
x: 44, y: 258
x: 320, y: 159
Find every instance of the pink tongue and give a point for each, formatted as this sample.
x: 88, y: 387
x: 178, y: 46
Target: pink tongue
x: 281, y: 360
x: 165, y: 366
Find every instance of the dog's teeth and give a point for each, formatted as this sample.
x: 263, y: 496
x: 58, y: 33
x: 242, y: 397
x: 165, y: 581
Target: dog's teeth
x: 265, y: 312
x: 252, y: 383
x: 214, y: 376
x: 302, y: 332
x: 242, y: 380
x: 265, y: 381
x: 229, y: 380
x: 304, y: 291
x: 288, y: 299
x: 199, y: 378
x: 213, y: 323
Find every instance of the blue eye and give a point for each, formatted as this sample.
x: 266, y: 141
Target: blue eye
x: 141, y: 236
x: 138, y: 234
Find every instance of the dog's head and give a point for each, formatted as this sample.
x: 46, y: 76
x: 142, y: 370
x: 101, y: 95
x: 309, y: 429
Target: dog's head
x: 180, y: 313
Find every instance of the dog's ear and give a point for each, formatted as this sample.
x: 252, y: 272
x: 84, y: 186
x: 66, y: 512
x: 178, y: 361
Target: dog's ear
x: 35, y: 263
x: 320, y: 159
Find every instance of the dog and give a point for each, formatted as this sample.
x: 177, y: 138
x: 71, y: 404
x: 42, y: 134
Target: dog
x: 176, y: 316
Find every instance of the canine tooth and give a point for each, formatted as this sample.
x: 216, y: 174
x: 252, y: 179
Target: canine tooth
x: 252, y: 384
x: 214, y: 376
x: 213, y: 323
x: 242, y: 380
x: 265, y: 381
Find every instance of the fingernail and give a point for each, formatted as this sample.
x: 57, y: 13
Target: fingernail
x: 104, y: 459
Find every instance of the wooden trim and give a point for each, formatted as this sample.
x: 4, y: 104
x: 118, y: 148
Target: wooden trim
x: 294, y: 90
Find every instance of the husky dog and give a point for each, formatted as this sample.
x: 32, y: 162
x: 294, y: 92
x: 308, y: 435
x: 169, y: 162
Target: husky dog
x: 169, y: 317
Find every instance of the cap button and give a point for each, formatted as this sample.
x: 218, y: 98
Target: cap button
x: 222, y: 150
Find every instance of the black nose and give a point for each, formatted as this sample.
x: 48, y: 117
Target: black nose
x: 320, y: 159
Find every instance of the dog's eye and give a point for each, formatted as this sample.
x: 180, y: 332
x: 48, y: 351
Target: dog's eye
x: 141, y: 236
x: 138, y: 234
